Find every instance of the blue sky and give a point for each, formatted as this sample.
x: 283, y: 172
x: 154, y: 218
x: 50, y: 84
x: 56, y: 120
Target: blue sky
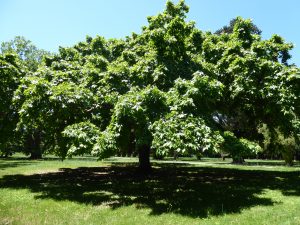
x: 52, y: 23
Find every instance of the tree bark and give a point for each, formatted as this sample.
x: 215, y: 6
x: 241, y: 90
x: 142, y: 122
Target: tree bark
x: 144, y: 159
x: 297, y: 155
x: 238, y: 160
x: 35, y: 155
x: 4, y: 155
x: 34, y: 146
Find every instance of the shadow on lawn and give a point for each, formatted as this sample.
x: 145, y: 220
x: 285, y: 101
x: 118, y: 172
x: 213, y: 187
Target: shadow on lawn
x: 189, y: 191
x: 4, y: 164
x: 269, y: 163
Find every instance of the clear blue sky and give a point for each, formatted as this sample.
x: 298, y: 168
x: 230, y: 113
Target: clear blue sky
x: 52, y: 23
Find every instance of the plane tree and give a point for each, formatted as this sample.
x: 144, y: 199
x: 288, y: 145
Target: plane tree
x: 170, y: 89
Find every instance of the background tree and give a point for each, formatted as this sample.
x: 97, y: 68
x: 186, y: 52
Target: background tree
x: 29, y: 57
x: 11, y: 71
x: 239, y: 148
x: 51, y: 99
x: 26, y: 50
x: 228, y: 29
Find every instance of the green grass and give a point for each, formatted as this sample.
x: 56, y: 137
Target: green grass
x: 86, y: 191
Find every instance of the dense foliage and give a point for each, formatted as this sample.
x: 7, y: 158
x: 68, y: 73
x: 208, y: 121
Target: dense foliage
x: 11, y: 71
x: 27, y: 52
x: 172, y: 89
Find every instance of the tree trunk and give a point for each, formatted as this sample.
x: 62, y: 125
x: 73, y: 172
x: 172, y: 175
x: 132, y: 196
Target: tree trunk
x: 238, y: 160
x: 288, y: 156
x: 4, y: 155
x: 175, y: 155
x: 297, y: 156
x: 131, y: 144
x: 35, y: 155
x: 144, y: 159
x: 34, y: 146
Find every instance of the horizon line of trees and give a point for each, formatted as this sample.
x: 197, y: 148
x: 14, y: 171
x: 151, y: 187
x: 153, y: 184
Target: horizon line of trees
x: 170, y: 90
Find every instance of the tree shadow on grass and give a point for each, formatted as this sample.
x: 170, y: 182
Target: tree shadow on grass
x: 180, y: 189
x: 4, y: 164
x: 269, y: 163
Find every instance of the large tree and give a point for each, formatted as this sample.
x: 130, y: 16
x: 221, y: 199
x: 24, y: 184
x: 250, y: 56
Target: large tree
x: 170, y: 89
x: 259, y: 87
x: 166, y: 52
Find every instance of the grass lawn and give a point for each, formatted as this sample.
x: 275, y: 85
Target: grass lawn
x: 86, y: 191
